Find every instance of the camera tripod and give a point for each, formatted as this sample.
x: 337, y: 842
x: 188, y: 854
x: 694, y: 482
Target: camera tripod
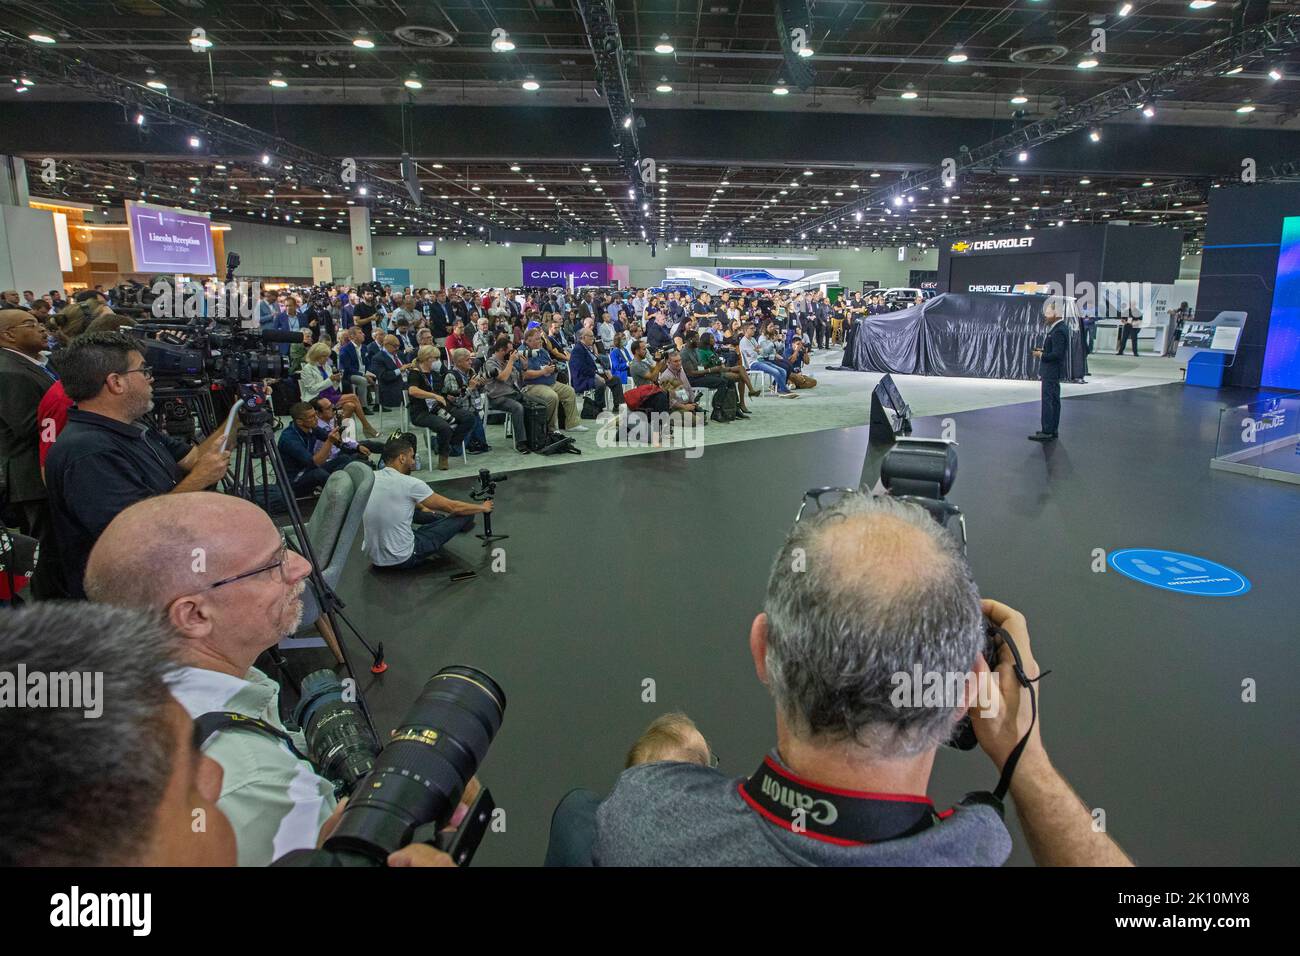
x: 256, y: 455
x: 488, y: 490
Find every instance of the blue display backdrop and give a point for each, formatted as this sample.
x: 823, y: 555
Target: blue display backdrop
x: 397, y: 278
x: 1174, y: 571
x: 1282, y: 355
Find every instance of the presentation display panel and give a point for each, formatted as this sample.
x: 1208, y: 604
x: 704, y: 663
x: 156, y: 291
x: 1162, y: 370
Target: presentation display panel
x: 538, y: 271
x: 170, y: 240
x: 1282, y: 356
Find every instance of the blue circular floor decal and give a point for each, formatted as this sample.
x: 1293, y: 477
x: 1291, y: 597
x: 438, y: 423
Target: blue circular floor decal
x: 1173, y: 571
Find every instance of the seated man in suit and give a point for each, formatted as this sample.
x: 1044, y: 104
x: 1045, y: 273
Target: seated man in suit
x: 387, y: 366
x: 353, y: 363
x: 585, y: 376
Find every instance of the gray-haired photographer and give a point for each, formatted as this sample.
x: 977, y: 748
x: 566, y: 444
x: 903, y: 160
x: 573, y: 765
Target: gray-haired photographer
x: 229, y: 588
x: 862, y: 590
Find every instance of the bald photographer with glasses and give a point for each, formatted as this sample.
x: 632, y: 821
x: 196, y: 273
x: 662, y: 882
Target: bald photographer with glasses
x: 106, y: 459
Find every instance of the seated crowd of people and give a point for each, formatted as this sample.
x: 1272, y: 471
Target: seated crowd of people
x: 191, y: 587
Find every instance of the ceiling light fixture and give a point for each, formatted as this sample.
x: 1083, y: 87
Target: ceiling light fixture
x: 501, y: 42
x: 665, y: 45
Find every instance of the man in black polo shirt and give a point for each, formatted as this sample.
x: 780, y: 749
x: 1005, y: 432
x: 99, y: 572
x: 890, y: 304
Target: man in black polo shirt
x: 105, y: 460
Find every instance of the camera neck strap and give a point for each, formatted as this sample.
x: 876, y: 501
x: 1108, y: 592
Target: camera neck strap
x: 842, y: 817
x: 205, y: 725
x: 1027, y: 682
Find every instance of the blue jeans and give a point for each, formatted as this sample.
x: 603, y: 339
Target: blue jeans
x: 778, y: 374
x: 432, y: 532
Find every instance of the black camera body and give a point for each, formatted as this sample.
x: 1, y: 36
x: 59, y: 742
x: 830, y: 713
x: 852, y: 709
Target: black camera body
x: 196, y: 354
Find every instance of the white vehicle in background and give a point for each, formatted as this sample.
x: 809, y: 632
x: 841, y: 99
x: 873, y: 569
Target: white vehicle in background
x: 901, y: 292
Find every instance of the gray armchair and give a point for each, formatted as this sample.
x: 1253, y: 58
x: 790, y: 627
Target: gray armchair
x: 331, y: 530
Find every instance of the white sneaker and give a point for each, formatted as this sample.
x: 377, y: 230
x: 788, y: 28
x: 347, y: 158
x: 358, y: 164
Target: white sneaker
x: 576, y: 428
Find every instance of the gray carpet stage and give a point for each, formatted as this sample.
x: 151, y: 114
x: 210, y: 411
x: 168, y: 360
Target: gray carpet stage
x: 1143, y: 710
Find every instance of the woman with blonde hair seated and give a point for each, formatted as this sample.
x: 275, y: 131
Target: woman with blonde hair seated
x: 318, y: 379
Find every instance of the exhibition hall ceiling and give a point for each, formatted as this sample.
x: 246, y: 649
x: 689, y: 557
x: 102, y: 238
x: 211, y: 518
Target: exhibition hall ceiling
x: 736, y: 162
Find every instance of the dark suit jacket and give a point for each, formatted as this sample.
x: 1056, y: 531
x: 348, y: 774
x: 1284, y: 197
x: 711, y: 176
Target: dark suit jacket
x: 391, y: 387
x: 350, y: 361
x: 1055, y: 349
x: 22, y: 385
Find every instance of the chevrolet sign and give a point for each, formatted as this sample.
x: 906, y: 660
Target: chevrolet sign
x: 989, y: 245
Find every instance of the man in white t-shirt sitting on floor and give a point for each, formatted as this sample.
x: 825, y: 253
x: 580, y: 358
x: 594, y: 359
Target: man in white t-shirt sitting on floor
x: 400, y: 526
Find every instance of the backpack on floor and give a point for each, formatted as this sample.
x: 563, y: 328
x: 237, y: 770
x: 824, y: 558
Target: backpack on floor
x: 725, y: 403
x: 536, y: 425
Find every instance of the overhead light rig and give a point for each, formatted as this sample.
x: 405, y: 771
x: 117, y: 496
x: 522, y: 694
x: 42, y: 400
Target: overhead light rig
x: 1275, y: 36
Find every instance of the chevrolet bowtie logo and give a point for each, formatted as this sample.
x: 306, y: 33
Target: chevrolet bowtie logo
x: 961, y: 247
x: 1030, y: 288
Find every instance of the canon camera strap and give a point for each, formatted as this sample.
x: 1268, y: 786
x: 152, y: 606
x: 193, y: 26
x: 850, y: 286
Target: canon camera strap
x: 843, y: 817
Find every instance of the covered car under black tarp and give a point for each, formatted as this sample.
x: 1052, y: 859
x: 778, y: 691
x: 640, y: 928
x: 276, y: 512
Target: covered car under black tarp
x: 980, y: 335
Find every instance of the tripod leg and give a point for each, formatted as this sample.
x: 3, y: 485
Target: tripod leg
x: 326, y: 630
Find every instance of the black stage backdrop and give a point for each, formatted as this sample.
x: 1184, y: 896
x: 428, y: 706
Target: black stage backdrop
x: 960, y: 334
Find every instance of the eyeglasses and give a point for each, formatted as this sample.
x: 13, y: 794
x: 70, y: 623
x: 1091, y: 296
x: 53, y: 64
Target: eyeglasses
x: 821, y: 498
x: 279, y: 562
x: 145, y: 370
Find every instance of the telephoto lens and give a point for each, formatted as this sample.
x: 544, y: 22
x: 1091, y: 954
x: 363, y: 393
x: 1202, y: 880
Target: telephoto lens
x: 338, y: 740
x: 422, y: 772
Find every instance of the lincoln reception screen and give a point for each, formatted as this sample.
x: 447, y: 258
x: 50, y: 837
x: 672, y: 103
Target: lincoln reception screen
x: 1282, y: 356
x: 169, y: 240
x: 558, y: 271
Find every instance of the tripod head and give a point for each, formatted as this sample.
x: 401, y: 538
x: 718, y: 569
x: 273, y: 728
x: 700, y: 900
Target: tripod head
x: 487, y: 485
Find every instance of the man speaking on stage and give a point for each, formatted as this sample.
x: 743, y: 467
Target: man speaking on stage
x: 1051, y: 365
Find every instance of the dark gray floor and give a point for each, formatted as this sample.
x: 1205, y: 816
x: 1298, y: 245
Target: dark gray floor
x: 653, y: 566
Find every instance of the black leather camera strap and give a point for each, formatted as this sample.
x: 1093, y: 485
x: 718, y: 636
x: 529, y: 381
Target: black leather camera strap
x: 205, y: 725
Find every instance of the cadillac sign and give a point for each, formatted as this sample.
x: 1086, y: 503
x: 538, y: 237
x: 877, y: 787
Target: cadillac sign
x: 992, y: 245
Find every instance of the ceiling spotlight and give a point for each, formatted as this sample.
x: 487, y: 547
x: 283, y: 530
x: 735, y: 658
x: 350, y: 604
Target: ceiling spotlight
x: 1148, y: 111
x: 664, y: 45
x: 361, y: 190
x: 664, y: 86
x: 1275, y: 73
x: 501, y: 42
x: 1023, y: 156
x: 1094, y: 135
x: 195, y: 142
x: 1126, y: 9
x: 199, y: 40
x: 363, y: 42
x: 413, y: 83
x: 514, y: 167
x: 958, y: 55
x: 1201, y: 4
x: 40, y: 38
x: 1019, y: 99
x: 1234, y: 71
x: 156, y: 85
x: 139, y: 119
x: 1147, y: 182
x: 780, y: 89
x: 278, y: 82
x: 909, y: 93
x: 1089, y: 62
x: 1246, y: 108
